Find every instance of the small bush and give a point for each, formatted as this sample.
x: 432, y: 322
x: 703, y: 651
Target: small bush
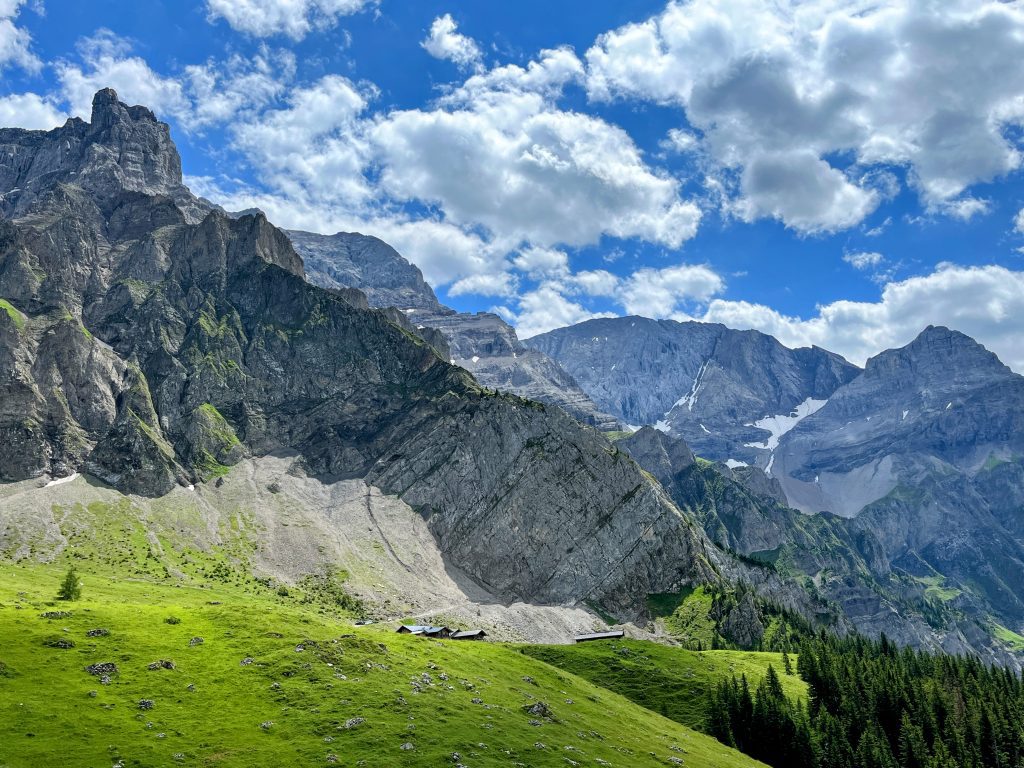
x: 282, y: 591
x: 172, y: 620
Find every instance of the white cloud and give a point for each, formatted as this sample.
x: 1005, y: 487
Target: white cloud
x: 205, y: 94
x: 544, y: 309
x: 312, y: 150
x: 863, y: 259
x: 986, y: 303
x: 15, y: 42
x: 293, y: 18
x: 786, y: 89
x: 1018, y: 222
x: 497, y: 153
x: 662, y: 292
x: 446, y: 42
x: 29, y: 110
x: 966, y: 208
x: 542, y: 262
x: 493, y: 284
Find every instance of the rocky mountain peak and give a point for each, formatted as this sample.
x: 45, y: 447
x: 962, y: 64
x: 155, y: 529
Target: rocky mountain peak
x: 938, y: 353
x: 123, y: 149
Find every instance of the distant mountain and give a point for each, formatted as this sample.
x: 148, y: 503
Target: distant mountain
x: 728, y: 393
x: 352, y: 260
x: 482, y: 343
x: 923, y: 450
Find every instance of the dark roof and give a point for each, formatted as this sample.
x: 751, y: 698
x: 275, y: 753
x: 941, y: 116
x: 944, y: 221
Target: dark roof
x: 600, y: 636
x: 422, y: 629
x: 469, y: 633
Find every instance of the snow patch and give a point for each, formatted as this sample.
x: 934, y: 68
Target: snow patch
x: 904, y: 415
x: 662, y: 426
x: 735, y: 463
x: 771, y: 463
x: 706, y: 430
x: 61, y: 480
x: 950, y: 405
x: 475, y: 358
x: 690, y: 399
x: 777, y: 426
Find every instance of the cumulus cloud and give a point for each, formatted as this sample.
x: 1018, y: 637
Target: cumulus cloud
x: 544, y: 309
x: 30, y: 110
x: 204, y: 94
x: 986, y: 303
x: 497, y: 153
x: 786, y: 91
x: 445, y: 42
x: 292, y: 18
x: 15, y: 42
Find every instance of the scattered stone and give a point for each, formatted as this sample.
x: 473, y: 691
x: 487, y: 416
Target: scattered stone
x: 97, y: 633
x: 275, y: 686
x: 540, y: 709
x: 161, y: 664
x: 146, y: 704
x: 536, y: 722
x: 477, y: 701
x: 539, y: 745
x: 196, y: 641
x: 328, y: 739
x: 191, y: 687
x: 93, y: 694
x: 266, y: 725
x: 246, y: 661
x: 105, y: 680
x: 331, y: 757
x: 59, y: 642
x: 456, y: 757
x: 676, y: 760
x: 407, y: 746
x: 178, y: 756
x: 274, y: 487
x: 530, y: 680
x: 354, y: 722
x: 56, y: 615
x: 102, y: 669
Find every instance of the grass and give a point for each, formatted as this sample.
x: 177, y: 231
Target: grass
x: 1008, y: 636
x: 310, y: 673
x: 673, y: 682
x: 936, y: 589
x: 12, y: 312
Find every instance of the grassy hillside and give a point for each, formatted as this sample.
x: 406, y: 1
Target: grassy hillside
x: 281, y: 682
x: 671, y: 681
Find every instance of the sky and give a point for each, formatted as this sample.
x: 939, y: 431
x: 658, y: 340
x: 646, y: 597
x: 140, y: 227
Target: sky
x: 833, y: 172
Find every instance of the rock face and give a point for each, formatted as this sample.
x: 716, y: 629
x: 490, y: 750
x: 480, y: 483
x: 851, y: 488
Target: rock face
x: 122, y: 148
x: 850, y: 561
x: 715, y: 387
x: 352, y: 260
x: 150, y: 351
x: 482, y: 343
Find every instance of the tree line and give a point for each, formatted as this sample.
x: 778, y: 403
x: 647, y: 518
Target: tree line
x: 873, y: 705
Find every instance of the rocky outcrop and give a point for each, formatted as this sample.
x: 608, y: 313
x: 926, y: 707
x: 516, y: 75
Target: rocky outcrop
x: 353, y: 260
x: 482, y: 343
x: 705, y: 383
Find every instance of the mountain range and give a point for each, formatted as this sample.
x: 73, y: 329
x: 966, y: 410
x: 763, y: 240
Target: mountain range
x: 159, y: 349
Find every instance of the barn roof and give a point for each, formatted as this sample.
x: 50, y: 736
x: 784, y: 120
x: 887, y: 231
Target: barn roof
x: 600, y: 636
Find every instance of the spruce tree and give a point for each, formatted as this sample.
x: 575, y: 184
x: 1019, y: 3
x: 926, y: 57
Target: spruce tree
x: 70, y: 588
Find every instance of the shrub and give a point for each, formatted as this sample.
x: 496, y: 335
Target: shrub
x: 172, y: 620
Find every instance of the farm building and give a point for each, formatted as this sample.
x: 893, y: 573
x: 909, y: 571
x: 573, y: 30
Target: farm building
x: 426, y: 631
x: 600, y: 636
x: 469, y: 634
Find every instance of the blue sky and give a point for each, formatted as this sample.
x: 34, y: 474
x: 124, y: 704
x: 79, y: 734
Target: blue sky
x: 835, y: 172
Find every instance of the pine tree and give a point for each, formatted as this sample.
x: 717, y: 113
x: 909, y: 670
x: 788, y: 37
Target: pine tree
x: 71, y: 587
